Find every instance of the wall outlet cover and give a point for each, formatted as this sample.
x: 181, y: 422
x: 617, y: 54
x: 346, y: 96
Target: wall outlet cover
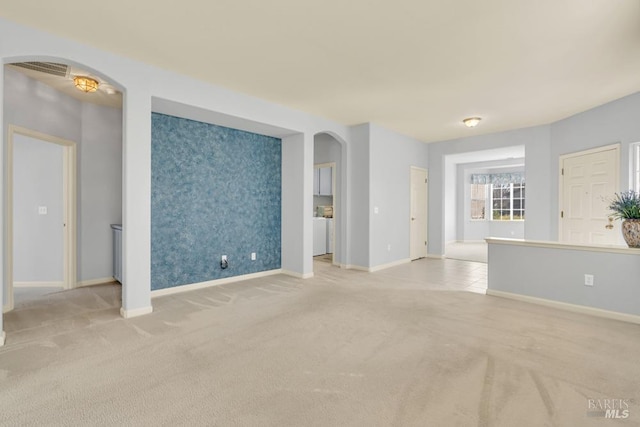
x: 588, y: 279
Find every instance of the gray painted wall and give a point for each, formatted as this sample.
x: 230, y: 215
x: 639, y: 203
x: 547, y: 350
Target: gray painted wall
x: 615, y: 122
x: 99, y: 188
x: 359, y: 230
x: 392, y: 156
x: 558, y: 275
x: 38, y: 239
x: 97, y: 131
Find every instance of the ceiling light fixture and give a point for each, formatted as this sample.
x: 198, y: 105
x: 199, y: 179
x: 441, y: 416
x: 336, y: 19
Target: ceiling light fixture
x: 471, y: 122
x: 86, y: 84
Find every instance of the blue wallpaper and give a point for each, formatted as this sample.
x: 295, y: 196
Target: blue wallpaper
x: 214, y: 191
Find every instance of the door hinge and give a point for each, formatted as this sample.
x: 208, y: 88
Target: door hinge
x: 562, y: 172
x: 561, y: 214
x: 425, y: 243
x: 426, y: 180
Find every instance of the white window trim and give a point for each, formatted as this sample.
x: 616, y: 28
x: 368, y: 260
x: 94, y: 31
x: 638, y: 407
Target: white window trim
x: 490, y: 201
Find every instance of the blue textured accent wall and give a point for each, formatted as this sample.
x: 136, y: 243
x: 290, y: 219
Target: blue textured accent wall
x: 214, y: 191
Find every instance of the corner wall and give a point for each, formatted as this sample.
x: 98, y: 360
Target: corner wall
x: 392, y: 156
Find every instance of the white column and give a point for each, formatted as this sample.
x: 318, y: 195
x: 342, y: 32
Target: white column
x: 297, y: 205
x: 136, y: 215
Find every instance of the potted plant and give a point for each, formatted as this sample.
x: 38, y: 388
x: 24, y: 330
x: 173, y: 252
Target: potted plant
x: 626, y: 206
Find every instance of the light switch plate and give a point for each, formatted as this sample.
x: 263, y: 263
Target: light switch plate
x: 42, y: 210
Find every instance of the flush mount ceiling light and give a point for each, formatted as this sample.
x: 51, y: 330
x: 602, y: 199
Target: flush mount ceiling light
x: 85, y: 84
x: 471, y: 122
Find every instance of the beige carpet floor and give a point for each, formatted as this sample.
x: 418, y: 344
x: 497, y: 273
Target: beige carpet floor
x: 407, y: 346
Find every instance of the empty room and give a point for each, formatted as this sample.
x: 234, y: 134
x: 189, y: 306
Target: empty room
x: 332, y: 214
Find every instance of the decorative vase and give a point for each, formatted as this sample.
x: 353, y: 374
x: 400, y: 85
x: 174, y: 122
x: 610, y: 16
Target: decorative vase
x: 631, y: 232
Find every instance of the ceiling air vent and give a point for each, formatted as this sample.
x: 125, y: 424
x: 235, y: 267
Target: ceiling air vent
x: 52, y: 68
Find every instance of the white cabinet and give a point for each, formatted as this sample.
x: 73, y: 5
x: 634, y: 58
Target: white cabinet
x: 322, y: 181
x: 319, y: 236
x: 325, y: 182
x: 329, y: 235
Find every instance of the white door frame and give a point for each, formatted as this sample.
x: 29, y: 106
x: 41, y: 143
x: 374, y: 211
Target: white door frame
x: 426, y: 203
x: 332, y: 165
x: 69, y: 203
x: 562, y: 158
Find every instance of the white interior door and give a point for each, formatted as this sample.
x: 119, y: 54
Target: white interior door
x: 588, y: 181
x: 418, y: 221
x: 40, y: 189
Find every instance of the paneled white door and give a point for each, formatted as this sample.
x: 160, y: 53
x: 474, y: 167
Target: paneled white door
x: 588, y: 181
x: 418, y: 221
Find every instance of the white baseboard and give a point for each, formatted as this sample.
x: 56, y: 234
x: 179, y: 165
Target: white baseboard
x: 3, y: 336
x: 355, y: 267
x: 38, y: 284
x: 435, y: 256
x: 297, y: 275
x: 209, y: 283
x: 95, y: 282
x: 128, y: 314
x: 614, y: 315
x: 389, y: 265
x: 377, y: 267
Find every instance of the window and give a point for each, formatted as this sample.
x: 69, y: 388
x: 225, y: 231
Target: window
x: 478, y: 200
x: 507, y: 201
x: 635, y: 166
x: 497, y: 196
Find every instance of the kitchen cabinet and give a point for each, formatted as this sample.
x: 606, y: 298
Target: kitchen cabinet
x: 319, y: 236
x: 326, y: 187
x: 322, y: 181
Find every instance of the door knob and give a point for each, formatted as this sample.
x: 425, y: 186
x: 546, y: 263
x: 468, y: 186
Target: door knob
x: 413, y: 219
x: 610, y: 225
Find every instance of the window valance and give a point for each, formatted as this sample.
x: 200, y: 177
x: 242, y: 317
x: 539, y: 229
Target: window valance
x: 498, y: 178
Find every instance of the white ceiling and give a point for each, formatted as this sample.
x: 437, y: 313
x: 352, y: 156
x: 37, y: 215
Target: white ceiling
x: 416, y: 66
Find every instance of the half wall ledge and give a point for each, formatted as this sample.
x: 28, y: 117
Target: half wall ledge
x: 599, y: 280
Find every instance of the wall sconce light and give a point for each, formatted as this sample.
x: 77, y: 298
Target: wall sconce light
x: 86, y: 84
x: 471, y: 122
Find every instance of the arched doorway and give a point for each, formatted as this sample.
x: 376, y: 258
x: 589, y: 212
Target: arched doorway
x: 44, y: 102
x: 330, y: 202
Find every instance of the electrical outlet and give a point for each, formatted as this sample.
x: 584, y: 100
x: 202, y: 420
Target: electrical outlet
x: 588, y: 279
x: 253, y: 256
x: 389, y: 248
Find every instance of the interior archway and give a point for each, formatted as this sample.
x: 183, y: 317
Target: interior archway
x: 330, y: 153
x: 41, y: 96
